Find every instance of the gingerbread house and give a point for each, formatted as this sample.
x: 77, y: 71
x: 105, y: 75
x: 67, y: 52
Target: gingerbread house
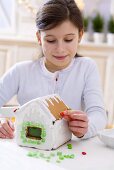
x: 39, y: 124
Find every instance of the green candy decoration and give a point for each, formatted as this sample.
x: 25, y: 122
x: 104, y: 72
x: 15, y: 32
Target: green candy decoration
x: 32, y: 141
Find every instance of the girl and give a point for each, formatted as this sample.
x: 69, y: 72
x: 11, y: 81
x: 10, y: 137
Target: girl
x: 60, y: 70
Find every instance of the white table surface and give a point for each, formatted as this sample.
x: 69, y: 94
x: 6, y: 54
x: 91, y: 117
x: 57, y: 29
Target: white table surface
x: 98, y: 157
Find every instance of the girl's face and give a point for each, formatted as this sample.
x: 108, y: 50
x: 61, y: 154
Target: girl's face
x: 59, y: 45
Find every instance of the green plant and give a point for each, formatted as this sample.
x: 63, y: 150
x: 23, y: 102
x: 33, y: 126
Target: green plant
x: 111, y: 25
x: 85, y: 21
x: 98, y: 23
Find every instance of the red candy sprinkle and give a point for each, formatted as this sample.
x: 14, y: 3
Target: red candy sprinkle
x: 84, y: 153
x: 15, y: 110
x: 62, y: 114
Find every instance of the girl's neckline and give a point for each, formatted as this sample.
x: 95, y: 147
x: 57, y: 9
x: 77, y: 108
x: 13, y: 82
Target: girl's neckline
x: 52, y: 74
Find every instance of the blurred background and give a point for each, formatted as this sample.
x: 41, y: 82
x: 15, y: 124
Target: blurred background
x: 18, y: 39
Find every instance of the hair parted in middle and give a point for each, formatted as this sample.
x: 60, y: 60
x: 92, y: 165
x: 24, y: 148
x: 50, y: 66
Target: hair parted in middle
x: 54, y: 12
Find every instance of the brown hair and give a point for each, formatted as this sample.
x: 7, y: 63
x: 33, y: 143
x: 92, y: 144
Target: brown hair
x: 54, y: 12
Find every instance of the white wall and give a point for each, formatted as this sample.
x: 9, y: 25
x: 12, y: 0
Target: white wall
x: 101, y: 6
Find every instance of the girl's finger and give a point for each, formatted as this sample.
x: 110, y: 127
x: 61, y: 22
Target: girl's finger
x: 8, y: 129
x: 81, y: 116
x: 2, y: 135
x: 4, y: 132
x: 78, y: 124
x: 65, y: 116
x: 78, y: 130
x: 72, y: 114
x: 11, y: 125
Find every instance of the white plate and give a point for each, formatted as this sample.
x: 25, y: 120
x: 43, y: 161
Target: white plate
x: 107, y: 137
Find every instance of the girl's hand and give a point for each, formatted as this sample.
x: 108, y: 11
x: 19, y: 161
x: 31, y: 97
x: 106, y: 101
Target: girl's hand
x: 6, y: 129
x: 77, y: 120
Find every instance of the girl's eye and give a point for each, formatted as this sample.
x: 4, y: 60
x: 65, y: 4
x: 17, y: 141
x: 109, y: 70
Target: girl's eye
x: 69, y: 40
x: 51, y: 41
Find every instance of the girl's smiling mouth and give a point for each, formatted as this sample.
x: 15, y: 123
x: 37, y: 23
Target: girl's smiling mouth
x: 60, y: 57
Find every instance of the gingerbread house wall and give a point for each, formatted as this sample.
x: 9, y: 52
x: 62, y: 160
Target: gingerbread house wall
x: 34, y: 113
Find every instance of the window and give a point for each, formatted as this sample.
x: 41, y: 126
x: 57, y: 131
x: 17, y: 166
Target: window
x: 34, y: 133
x: 7, y: 16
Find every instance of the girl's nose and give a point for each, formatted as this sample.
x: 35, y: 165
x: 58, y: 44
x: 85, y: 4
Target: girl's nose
x: 60, y: 47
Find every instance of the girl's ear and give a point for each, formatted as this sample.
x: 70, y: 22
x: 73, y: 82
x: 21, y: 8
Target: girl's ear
x: 38, y: 38
x: 80, y: 35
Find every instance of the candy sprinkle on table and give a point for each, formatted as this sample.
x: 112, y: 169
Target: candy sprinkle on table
x: 69, y: 145
x: 84, y: 153
x: 59, y: 156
